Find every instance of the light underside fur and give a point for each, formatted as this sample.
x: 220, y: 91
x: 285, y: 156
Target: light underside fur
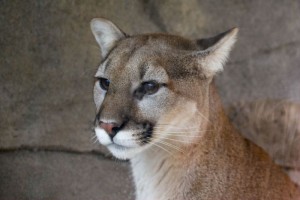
x: 158, y: 170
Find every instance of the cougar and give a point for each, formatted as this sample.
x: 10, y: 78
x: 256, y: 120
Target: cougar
x: 157, y: 106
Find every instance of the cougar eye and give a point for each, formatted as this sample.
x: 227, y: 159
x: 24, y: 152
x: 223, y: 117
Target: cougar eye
x: 104, y: 83
x: 150, y: 87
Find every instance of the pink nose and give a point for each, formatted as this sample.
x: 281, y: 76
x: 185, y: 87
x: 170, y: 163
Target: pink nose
x: 108, y: 127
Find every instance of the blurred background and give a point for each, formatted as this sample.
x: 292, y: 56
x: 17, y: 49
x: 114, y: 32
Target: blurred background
x: 48, y: 57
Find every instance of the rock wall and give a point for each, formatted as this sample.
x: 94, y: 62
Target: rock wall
x: 48, y: 57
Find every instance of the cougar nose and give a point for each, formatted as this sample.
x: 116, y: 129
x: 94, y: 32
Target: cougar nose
x: 110, y: 128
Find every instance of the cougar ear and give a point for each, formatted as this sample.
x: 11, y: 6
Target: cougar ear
x: 214, y: 51
x: 106, y: 34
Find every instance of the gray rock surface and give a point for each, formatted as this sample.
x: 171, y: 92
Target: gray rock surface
x: 48, y: 57
x: 273, y: 125
x: 60, y: 175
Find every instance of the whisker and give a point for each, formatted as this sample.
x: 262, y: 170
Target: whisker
x: 151, y: 148
x: 195, y: 142
x: 160, y: 129
x: 182, y: 132
x: 93, y: 137
x: 178, y: 128
x: 178, y: 134
x: 155, y: 144
x: 95, y: 140
x: 169, y: 144
x: 169, y: 125
x: 201, y: 115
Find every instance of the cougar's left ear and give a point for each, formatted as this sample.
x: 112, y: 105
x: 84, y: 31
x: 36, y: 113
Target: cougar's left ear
x: 214, y: 51
x: 106, y: 34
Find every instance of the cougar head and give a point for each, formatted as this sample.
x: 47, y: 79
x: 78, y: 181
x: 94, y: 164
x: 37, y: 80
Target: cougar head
x: 152, y: 89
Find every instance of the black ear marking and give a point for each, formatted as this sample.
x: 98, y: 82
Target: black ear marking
x: 205, y: 43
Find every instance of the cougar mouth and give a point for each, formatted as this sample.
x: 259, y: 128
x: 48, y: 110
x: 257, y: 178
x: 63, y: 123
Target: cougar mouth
x: 128, y: 144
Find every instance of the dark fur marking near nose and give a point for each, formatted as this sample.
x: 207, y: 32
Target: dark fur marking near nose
x: 147, y: 134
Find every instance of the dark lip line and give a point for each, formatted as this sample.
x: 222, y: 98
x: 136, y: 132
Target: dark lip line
x: 145, y: 139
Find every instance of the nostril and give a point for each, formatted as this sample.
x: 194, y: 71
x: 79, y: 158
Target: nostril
x: 115, y: 129
x: 108, y: 127
x: 111, y: 128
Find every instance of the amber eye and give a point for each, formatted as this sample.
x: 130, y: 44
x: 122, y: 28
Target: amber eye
x: 150, y: 87
x: 104, y: 83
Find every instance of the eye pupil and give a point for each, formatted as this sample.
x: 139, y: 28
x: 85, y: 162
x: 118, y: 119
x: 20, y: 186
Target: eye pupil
x: 150, y: 87
x: 104, y: 83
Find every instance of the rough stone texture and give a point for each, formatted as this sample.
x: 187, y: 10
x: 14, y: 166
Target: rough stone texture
x: 273, y: 125
x: 58, y: 175
x: 48, y: 57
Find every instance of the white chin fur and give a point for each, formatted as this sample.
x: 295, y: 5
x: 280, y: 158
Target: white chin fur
x: 124, y: 145
x: 126, y: 139
x: 102, y: 136
x: 122, y: 152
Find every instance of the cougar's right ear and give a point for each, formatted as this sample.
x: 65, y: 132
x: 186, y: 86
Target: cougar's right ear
x: 106, y: 34
x: 213, y: 52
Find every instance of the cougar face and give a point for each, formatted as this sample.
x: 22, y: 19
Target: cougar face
x: 152, y: 87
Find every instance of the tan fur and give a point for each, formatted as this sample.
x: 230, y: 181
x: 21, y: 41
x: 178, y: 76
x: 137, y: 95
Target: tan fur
x: 193, y: 151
